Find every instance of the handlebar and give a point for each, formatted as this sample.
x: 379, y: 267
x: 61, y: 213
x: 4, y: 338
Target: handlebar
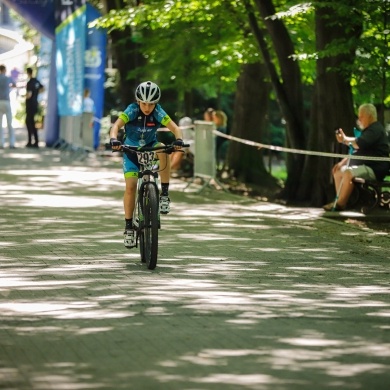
x: 134, y: 149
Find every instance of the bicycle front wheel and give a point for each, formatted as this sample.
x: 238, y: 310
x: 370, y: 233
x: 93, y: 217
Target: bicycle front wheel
x: 150, y: 232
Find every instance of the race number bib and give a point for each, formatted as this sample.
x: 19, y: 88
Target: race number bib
x: 145, y: 158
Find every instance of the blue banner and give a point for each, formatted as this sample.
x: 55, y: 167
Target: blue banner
x: 48, y: 98
x: 95, y: 62
x: 70, y: 48
x: 77, y: 60
x: 44, y: 66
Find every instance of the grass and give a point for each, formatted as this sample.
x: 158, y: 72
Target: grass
x: 279, y: 172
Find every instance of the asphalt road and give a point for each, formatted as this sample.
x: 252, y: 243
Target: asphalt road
x: 246, y: 294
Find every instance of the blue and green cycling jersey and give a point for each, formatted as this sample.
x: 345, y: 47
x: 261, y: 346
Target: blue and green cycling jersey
x: 142, y: 129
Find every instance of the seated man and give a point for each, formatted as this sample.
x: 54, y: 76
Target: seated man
x: 372, y: 142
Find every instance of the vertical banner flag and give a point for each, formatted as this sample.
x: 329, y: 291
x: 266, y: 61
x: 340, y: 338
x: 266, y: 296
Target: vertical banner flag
x: 46, y: 75
x: 43, y: 65
x: 95, y: 62
x: 70, y: 16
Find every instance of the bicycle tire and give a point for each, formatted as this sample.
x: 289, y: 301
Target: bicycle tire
x: 150, y: 206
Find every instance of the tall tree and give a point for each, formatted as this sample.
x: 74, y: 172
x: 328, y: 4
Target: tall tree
x: 287, y: 85
x: 250, y: 113
x: 332, y: 103
x: 205, y: 46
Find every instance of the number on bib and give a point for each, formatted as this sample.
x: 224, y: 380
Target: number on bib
x: 145, y: 158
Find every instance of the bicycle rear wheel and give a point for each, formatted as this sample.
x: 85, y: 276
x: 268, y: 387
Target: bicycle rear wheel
x: 149, y: 242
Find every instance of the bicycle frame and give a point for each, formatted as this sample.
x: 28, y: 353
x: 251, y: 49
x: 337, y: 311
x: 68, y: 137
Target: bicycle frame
x: 146, y: 215
x: 145, y: 176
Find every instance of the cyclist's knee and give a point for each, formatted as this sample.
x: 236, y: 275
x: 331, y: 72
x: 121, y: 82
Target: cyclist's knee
x: 163, y: 157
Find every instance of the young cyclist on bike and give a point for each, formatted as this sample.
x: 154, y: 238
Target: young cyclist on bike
x: 141, y: 121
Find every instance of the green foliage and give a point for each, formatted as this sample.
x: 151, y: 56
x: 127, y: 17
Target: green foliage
x: 201, y: 44
x: 370, y: 73
x: 189, y: 44
x: 299, y: 20
x: 29, y: 34
x: 280, y: 172
x: 275, y: 135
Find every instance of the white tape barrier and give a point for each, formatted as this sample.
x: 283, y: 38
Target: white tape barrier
x: 298, y: 151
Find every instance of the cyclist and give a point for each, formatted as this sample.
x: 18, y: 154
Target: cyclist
x: 141, y: 121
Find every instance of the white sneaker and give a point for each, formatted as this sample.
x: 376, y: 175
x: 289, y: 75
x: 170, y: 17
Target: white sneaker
x: 129, y: 238
x: 165, y: 202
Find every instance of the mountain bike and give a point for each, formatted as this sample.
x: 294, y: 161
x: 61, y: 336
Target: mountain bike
x: 146, y: 215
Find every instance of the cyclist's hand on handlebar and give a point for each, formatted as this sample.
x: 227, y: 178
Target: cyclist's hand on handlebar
x: 178, y: 143
x: 115, y: 144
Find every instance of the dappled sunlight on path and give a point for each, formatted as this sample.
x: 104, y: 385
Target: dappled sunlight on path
x: 246, y: 295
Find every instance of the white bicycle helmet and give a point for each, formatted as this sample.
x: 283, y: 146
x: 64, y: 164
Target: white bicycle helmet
x: 148, y: 92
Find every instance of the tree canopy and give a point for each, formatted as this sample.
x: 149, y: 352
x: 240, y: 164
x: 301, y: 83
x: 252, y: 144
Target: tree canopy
x: 315, y: 54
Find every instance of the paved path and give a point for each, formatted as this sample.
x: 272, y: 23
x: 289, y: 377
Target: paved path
x: 246, y: 295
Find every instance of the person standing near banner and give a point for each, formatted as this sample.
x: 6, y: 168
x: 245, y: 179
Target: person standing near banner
x: 15, y: 74
x: 88, y: 105
x: 5, y: 108
x: 15, y: 78
x: 33, y: 89
x: 87, y: 119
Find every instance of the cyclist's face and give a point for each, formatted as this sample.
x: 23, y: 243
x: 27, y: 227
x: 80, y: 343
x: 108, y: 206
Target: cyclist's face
x: 146, y: 108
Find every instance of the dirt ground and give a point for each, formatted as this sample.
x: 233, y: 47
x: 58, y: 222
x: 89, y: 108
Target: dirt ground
x: 378, y: 219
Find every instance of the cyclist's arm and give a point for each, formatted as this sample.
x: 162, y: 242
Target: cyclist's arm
x: 166, y: 121
x: 119, y: 123
x: 171, y: 125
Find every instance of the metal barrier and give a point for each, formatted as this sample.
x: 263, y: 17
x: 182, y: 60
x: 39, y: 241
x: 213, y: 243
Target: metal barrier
x: 87, y: 132
x: 76, y: 137
x: 205, y: 166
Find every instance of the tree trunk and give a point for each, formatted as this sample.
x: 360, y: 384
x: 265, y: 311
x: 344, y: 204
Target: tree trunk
x: 288, y: 91
x: 332, y: 106
x: 250, y: 112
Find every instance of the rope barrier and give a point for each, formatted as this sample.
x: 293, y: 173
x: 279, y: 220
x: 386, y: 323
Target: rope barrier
x: 288, y: 150
x: 298, y: 151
